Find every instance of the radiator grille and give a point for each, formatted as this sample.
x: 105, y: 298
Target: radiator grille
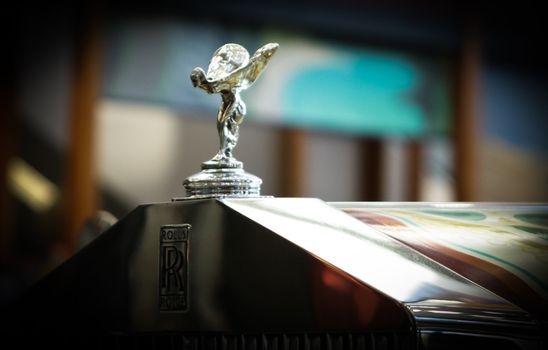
x: 293, y: 341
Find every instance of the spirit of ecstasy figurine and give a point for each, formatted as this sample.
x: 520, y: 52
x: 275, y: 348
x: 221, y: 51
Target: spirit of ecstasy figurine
x: 230, y: 71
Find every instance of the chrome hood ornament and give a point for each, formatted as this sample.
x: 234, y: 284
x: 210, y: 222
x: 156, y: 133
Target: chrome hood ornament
x: 230, y: 71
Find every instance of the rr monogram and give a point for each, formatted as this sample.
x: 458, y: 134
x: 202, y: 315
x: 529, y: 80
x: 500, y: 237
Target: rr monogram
x: 173, y: 274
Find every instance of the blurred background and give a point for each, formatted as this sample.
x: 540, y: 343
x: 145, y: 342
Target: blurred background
x: 364, y: 101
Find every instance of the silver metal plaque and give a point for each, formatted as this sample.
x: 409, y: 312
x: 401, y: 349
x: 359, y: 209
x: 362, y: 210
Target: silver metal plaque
x: 173, y: 274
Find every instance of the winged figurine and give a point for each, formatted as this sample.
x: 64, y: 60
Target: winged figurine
x: 230, y: 71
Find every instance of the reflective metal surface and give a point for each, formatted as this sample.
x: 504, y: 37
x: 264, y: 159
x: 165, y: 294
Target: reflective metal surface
x: 498, y: 246
x: 231, y: 70
x: 359, y: 250
x: 222, y: 182
x: 437, y: 297
x: 265, y: 266
x: 242, y: 277
x: 501, y: 247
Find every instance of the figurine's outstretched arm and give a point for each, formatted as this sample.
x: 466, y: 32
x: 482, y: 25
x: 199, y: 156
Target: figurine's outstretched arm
x: 198, y: 78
